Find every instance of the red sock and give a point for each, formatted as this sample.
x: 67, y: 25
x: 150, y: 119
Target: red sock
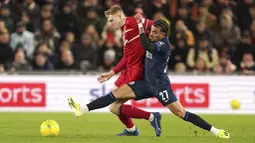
x: 127, y: 121
x: 134, y: 112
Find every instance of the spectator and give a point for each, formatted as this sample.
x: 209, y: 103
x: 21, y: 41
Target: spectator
x: 8, y: 19
x: 179, y: 53
x: 42, y: 63
x: 201, y: 66
x: 66, y: 21
x: 245, y: 13
x: 70, y: 41
x: 108, y: 60
x: 244, y: 46
x: 203, y: 51
x: 108, y: 45
x: 252, y: 13
x: 70, y: 37
x: 226, y: 33
x: 65, y: 45
x: 180, y: 68
x: 206, y: 17
x: 45, y: 14
x: 5, y: 49
x: 2, y: 68
x: 28, y: 22
x: 160, y: 15
x: 157, y: 5
x: 19, y: 63
x: 106, y: 5
x: 226, y: 51
x: 85, y: 54
x: 85, y: 5
x: 228, y: 11
x: 3, y: 28
x: 252, y: 33
x: 24, y: 37
x: 43, y: 48
x: 183, y: 15
x: 92, y: 18
x: 211, y: 6
x: 183, y: 33
x: 202, y: 31
x: 48, y: 34
x: 224, y: 66
x: 67, y: 61
x: 247, y: 64
x: 109, y: 34
x: 139, y: 10
x: 32, y: 9
x: 92, y: 32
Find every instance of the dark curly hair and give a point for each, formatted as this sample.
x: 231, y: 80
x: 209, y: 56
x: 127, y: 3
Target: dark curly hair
x: 162, y: 24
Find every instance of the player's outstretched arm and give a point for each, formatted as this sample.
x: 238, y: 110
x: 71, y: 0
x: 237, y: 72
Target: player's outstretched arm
x: 106, y: 76
x: 120, y: 66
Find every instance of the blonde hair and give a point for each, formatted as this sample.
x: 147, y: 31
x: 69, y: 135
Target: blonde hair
x: 113, y: 10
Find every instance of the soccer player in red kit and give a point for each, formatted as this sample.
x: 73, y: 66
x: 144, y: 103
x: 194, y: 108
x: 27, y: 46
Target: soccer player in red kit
x: 132, y: 67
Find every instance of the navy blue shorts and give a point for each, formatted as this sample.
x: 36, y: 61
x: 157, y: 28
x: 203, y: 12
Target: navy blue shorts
x: 143, y: 89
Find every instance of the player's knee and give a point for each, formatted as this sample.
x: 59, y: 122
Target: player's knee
x: 111, y: 108
x: 114, y: 108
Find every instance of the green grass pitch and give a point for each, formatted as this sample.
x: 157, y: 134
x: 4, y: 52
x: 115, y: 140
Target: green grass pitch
x: 101, y: 128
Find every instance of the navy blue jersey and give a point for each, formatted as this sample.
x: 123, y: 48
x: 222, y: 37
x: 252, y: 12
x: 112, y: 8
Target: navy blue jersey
x: 156, y: 63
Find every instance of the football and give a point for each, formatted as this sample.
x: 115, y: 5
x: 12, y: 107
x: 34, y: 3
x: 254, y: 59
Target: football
x: 49, y: 128
x: 235, y: 104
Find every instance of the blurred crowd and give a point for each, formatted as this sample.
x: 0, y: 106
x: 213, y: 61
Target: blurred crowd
x: 207, y: 35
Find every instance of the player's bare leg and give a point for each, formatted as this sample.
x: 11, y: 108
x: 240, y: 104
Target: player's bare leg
x: 130, y: 129
x: 123, y: 93
x: 127, y: 121
x: 179, y: 111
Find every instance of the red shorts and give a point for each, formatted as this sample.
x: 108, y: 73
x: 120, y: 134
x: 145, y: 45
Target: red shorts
x: 128, y: 75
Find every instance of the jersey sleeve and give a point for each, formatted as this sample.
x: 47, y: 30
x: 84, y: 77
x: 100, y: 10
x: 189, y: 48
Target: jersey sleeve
x: 146, y: 44
x: 121, y: 65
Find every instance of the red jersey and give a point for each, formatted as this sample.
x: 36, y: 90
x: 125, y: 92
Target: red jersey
x: 133, y: 50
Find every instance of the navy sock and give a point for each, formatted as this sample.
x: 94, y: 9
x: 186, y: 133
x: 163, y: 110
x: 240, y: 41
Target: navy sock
x: 198, y: 121
x: 101, y: 102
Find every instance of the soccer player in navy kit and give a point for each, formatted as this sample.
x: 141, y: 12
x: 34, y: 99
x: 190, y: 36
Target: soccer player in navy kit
x: 156, y: 82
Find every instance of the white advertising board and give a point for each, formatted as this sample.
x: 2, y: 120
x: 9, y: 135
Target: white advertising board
x: 200, y: 94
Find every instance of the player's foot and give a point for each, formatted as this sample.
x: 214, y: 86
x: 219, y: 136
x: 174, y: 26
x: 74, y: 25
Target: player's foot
x: 75, y: 107
x: 155, y: 123
x: 125, y: 132
x: 223, y: 134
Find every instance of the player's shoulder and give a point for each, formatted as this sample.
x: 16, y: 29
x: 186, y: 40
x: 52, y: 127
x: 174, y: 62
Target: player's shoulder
x: 162, y: 43
x: 131, y: 21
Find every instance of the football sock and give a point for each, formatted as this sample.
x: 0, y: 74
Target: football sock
x: 101, y: 102
x: 151, y: 118
x: 127, y: 121
x: 214, y: 130
x: 131, y: 129
x: 198, y: 121
x: 134, y: 112
x: 84, y: 108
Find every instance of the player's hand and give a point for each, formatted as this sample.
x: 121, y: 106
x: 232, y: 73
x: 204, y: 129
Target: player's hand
x: 138, y: 18
x: 105, y: 76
